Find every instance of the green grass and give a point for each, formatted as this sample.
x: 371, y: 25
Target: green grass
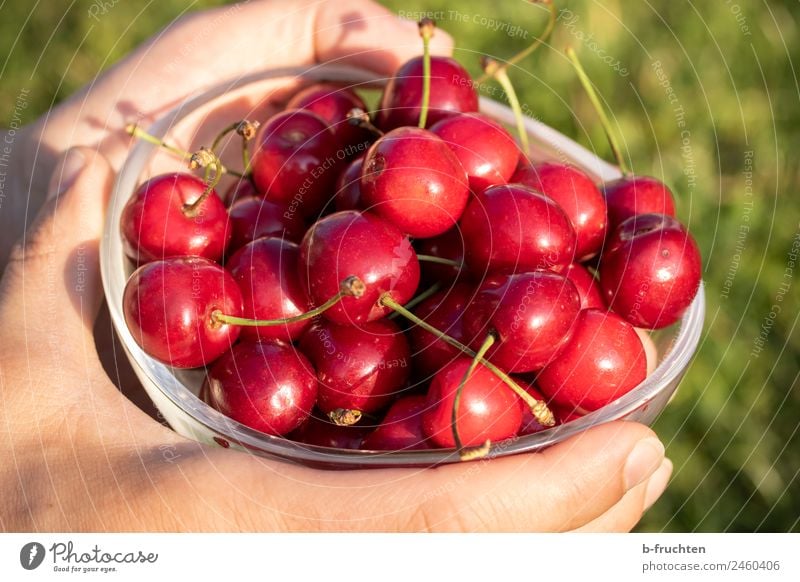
x: 732, y: 431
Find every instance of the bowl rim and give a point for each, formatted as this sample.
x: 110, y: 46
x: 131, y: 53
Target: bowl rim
x: 545, y: 138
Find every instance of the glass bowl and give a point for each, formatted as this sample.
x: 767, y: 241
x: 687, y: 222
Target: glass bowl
x: 174, y: 392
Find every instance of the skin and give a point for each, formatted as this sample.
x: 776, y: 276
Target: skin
x: 80, y: 456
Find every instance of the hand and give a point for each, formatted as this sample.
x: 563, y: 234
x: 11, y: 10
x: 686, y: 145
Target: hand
x: 81, y: 457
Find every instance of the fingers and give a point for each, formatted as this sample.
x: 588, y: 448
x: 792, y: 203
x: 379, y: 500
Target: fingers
x: 50, y: 292
x: 624, y: 516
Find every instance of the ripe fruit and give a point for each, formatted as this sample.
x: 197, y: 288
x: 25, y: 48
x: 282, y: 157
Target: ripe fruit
x: 168, y: 308
x: 651, y: 271
x: 529, y: 423
x: 295, y: 162
x: 452, y: 91
x: 412, y: 179
x: 603, y: 361
x: 323, y: 433
x: 450, y: 246
x: 268, y: 386
x: 240, y: 189
x: 252, y: 218
x: 531, y: 316
x: 266, y: 271
x: 632, y: 195
x: 488, y: 409
x: 357, y: 244
x: 577, y: 196
x: 158, y: 221
x: 348, y: 187
x: 401, y: 428
x: 358, y: 368
x: 587, y: 286
x: 511, y: 229
x: 485, y: 149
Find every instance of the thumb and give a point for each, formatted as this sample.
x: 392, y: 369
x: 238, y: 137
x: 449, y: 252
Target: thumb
x: 51, y: 288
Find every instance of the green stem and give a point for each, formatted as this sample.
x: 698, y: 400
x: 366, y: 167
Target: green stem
x: 439, y: 261
x: 419, y: 298
x: 426, y: 28
x: 538, y: 407
x: 139, y: 133
x: 502, y: 77
x: 598, y: 107
x: 221, y: 135
x: 471, y: 452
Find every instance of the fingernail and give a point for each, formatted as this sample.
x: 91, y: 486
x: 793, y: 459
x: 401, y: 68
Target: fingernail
x: 657, y: 483
x: 643, y: 461
x: 66, y: 172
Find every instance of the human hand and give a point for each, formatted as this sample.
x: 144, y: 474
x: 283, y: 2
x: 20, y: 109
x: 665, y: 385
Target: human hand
x: 82, y: 457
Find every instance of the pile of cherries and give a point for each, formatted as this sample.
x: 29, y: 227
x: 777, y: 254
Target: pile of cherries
x: 406, y: 280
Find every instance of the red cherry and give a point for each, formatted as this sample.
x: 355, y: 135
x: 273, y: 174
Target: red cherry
x: 156, y: 222
x: 603, y: 361
x: 401, y: 428
x: 357, y: 244
x: 358, y: 368
x: 267, y: 274
x: 332, y: 103
x: 268, y: 386
x: 487, y: 151
x: 511, y: 228
x: 531, y: 316
x: 252, y: 218
x: 323, y: 433
x: 348, y: 187
x: 295, y: 161
x: 242, y: 188
x: 587, y: 286
x: 632, y: 195
x: 413, y: 179
x: 452, y: 91
x: 651, y: 271
x: 577, y: 195
x: 168, y: 308
x: 444, y: 311
x: 450, y: 246
x: 488, y: 410
x: 529, y: 423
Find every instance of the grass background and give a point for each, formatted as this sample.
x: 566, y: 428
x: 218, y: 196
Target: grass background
x: 732, y: 431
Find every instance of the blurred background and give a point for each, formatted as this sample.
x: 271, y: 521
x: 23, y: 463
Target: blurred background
x: 706, y: 97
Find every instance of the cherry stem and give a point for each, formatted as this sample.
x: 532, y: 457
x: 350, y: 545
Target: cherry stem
x: 247, y: 131
x: 427, y: 26
x: 207, y: 159
x: 419, y: 298
x: 345, y: 416
x: 468, y: 453
x: 598, y: 107
x: 538, y: 407
x: 525, y: 53
x: 493, y: 67
x: 360, y: 118
x: 137, y: 132
x: 440, y: 261
x: 351, y: 287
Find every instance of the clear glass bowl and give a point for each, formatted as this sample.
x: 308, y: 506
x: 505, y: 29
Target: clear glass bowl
x: 174, y: 392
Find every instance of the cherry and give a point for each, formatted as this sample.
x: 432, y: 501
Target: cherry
x: 160, y: 221
x: 633, y: 195
x: 401, y: 428
x: 348, y: 187
x: 353, y: 243
x: 240, y: 189
x: 586, y: 284
x: 603, y: 361
x: 451, y: 91
x: 531, y: 316
x: 252, y: 218
x: 448, y: 246
x: 358, y: 368
x: 651, y: 271
x: 168, y: 308
x: 513, y: 228
x: 332, y: 103
x: 295, y: 161
x: 530, y: 425
x: 485, y: 149
x: 577, y: 195
x: 443, y: 310
x: 268, y: 386
x: 324, y: 433
x: 488, y: 409
x: 413, y: 179
x: 267, y: 274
